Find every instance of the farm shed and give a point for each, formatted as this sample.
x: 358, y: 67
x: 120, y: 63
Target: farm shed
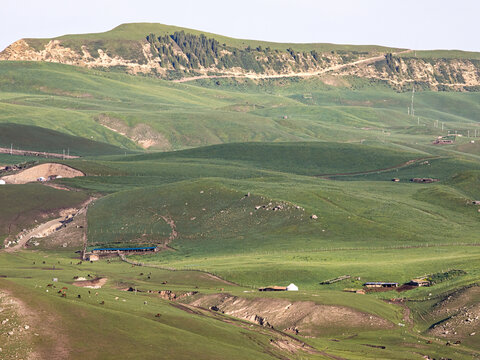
x: 356, y: 291
x: 420, y: 282
x: 442, y: 141
x: 380, y: 284
x: 92, y: 257
x: 273, y: 288
x: 423, y: 180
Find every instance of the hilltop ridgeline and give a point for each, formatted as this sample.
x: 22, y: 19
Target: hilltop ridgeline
x: 182, y: 54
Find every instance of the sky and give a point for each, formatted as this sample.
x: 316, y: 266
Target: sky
x: 414, y: 24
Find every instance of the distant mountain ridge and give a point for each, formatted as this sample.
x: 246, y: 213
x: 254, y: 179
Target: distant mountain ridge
x: 180, y: 54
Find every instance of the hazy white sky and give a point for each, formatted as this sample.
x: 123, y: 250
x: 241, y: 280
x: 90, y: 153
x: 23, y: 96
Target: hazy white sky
x: 418, y: 24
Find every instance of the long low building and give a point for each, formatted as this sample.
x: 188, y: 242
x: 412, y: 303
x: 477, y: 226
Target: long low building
x: 380, y: 284
x: 115, y: 250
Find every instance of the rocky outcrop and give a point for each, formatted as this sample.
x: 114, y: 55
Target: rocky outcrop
x: 183, y: 56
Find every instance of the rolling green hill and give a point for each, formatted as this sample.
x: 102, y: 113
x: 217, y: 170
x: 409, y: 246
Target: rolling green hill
x: 314, y: 158
x: 134, y: 112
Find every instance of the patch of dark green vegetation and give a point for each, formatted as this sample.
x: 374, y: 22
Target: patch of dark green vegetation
x: 34, y: 138
x: 445, y: 276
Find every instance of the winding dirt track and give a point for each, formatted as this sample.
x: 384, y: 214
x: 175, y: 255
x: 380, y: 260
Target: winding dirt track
x: 405, y: 164
x: 36, y: 153
x: 43, y: 228
x: 292, y: 74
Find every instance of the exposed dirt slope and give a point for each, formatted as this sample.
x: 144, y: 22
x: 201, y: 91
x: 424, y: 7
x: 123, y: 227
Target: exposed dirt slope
x: 42, y: 170
x: 459, y: 316
x: 96, y: 283
x: 302, y: 317
x: 142, y: 134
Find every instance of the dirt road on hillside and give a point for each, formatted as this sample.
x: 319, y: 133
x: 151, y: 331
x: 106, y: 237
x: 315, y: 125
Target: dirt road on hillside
x: 291, y: 74
x: 36, y: 153
x: 47, y: 228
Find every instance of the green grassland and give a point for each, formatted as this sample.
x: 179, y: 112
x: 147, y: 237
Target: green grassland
x: 278, y: 152
x: 72, y: 100
x: 85, y: 325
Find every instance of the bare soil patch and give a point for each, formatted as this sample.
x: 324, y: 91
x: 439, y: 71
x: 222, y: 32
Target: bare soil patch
x: 306, y: 317
x: 70, y: 236
x: 459, y: 315
x: 96, y: 283
x: 42, y: 170
x: 142, y: 134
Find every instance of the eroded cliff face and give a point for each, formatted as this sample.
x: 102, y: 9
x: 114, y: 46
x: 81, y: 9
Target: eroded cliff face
x: 436, y: 74
x: 197, y: 57
x: 54, y: 51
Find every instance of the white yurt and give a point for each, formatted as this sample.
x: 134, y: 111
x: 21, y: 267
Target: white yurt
x: 2, y: 182
x: 292, y: 287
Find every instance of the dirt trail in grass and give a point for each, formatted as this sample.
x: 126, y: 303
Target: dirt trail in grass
x: 291, y: 74
x: 405, y: 164
x: 36, y: 153
x: 35, y: 327
x: 173, y: 227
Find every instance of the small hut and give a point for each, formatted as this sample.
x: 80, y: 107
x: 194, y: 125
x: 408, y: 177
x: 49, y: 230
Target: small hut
x: 292, y: 287
x: 92, y: 257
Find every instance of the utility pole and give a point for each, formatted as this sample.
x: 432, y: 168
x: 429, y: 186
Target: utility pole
x: 442, y: 126
x: 11, y: 149
x: 413, y: 95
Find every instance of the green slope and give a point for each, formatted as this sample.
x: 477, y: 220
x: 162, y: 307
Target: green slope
x: 35, y: 138
x: 90, y: 104
x: 313, y: 158
x: 24, y: 205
